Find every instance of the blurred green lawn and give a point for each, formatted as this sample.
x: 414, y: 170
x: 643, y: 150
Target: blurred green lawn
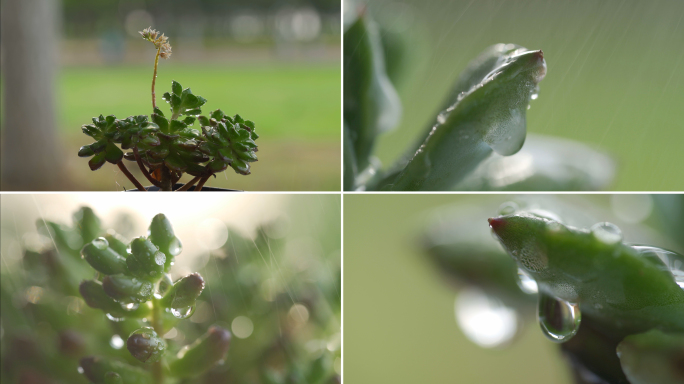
x: 296, y: 109
x: 399, y: 324
x: 615, y: 74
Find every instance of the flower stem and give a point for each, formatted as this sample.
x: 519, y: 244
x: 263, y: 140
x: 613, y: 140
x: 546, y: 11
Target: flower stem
x: 154, y: 77
x: 166, y: 180
x: 157, y: 368
x: 130, y: 176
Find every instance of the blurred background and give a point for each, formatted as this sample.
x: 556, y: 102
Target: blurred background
x: 272, y: 266
x: 407, y: 321
x: 615, y: 76
x: 276, y: 62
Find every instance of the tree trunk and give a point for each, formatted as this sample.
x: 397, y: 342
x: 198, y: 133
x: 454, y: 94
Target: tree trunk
x: 31, y: 151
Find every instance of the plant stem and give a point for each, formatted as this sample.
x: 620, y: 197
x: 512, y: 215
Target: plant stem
x: 144, y: 169
x: 157, y: 368
x: 166, y: 181
x: 189, y: 184
x: 130, y: 176
x: 201, y: 183
x: 154, y: 77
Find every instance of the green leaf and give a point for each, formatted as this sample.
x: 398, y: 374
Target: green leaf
x: 189, y: 120
x: 217, y: 114
x: 176, y: 125
x: 87, y: 223
x: 653, y: 357
x: 95, y: 369
x: 491, y: 116
x: 175, y: 163
x: 161, y: 234
x: 145, y: 345
x: 184, y: 292
x: 176, y: 88
x: 112, y: 378
x: 113, y: 154
x: 94, y: 295
x: 127, y: 289
x: 103, y: 258
x: 371, y: 104
x: 204, y: 121
x: 350, y: 168
x: 159, y: 111
x: 85, y: 151
x: 146, y: 261
x: 202, y: 354
x: 117, y: 243
x: 620, y: 289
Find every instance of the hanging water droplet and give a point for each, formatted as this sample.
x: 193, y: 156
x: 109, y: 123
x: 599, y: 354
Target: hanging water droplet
x: 114, y: 318
x: 607, y: 233
x: 131, y: 306
x: 101, y: 243
x: 116, y: 342
x: 554, y: 227
x: 674, y: 262
x: 183, y: 313
x: 559, y: 320
x: 526, y: 283
x: 484, y: 319
x: 534, y: 96
x: 508, y: 208
x: 175, y: 247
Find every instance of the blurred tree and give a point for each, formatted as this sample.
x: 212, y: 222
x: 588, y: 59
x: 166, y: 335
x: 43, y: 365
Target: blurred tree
x: 31, y: 158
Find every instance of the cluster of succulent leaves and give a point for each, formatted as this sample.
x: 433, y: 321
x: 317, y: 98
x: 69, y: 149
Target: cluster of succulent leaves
x: 632, y: 308
x: 475, y: 140
x: 55, y: 329
x: 171, y: 141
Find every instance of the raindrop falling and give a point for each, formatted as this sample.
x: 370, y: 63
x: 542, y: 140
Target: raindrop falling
x: 673, y: 261
x: 526, y: 283
x: 484, y: 319
x: 183, y: 313
x: 508, y: 208
x: 101, y: 243
x: 607, y: 233
x: 175, y: 247
x: 559, y: 320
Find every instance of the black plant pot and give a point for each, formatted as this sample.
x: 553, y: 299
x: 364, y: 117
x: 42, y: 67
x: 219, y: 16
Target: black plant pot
x: 178, y: 185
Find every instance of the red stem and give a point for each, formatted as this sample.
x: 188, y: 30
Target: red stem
x: 201, y: 183
x: 132, y: 178
x: 189, y: 184
x: 144, y: 169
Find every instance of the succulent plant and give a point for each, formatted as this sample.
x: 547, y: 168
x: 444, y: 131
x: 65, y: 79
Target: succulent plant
x: 164, y: 148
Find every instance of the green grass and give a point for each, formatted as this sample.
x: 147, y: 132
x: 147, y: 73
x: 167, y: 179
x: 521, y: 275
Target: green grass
x: 615, y: 76
x: 290, y: 102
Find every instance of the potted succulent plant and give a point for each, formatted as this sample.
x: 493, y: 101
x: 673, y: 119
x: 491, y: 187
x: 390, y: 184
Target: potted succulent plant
x: 166, y: 147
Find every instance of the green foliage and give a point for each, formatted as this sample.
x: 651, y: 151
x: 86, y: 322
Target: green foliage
x: 74, y: 319
x: 628, y: 300
x: 482, y: 120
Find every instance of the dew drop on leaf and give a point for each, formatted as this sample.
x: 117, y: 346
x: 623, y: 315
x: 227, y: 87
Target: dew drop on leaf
x: 101, y: 243
x: 114, y: 318
x: 508, y: 208
x: 183, y: 313
x: 175, y: 247
x: 607, y: 233
x: 559, y: 319
x: 159, y: 258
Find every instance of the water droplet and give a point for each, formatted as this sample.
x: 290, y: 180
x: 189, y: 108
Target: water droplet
x: 607, y: 233
x: 183, y: 313
x: 101, y: 243
x: 175, y: 247
x: 131, y: 306
x: 116, y: 342
x: 484, y: 319
x: 526, y: 283
x: 534, y: 96
x: 673, y: 261
x: 554, y: 227
x: 159, y: 258
x: 559, y: 320
x: 508, y: 208
x: 157, y: 296
x: 80, y: 370
x: 114, y: 318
